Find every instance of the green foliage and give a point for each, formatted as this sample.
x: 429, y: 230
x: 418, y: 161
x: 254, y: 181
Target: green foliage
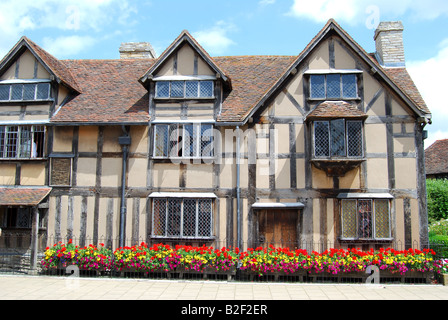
x: 437, y: 191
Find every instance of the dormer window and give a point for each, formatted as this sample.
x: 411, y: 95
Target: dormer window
x: 180, y: 89
x: 24, y: 91
x: 334, y: 86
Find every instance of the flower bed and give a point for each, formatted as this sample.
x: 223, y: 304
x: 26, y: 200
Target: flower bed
x: 90, y: 258
x: 259, y: 261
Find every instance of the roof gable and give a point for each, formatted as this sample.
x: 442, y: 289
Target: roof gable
x: 436, y: 157
x: 398, y: 80
x: 53, y: 66
x: 185, y: 37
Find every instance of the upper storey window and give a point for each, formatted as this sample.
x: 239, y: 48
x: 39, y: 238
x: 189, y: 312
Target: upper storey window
x: 184, y: 89
x: 25, y: 91
x: 333, y: 86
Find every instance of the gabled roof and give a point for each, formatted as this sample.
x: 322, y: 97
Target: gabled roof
x: 436, y: 157
x: 55, y: 67
x: 398, y: 80
x: 185, y: 37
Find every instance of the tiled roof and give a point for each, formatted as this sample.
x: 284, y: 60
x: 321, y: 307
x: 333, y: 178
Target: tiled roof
x: 59, y: 69
x: 402, y: 78
x: 111, y: 92
x: 336, y: 109
x: 252, y: 77
x: 23, y: 196
x: 436, y: 157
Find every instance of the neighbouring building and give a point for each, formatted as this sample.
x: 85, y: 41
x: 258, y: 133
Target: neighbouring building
x: 319, y: 150
x: 436, y: 160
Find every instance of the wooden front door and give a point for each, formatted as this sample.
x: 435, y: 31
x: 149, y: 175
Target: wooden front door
x: 278, y: 228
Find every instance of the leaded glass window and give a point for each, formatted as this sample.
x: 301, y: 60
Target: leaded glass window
x: 25, y: 92
x: 333, y: 86
x: 184, y: 89
x: 183, y: 141
x: 182, y: 218
x: 365, y: 219
x: 22, y: 142
x: 338, y: 138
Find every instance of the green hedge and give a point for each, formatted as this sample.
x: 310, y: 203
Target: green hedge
x: 437, y: 191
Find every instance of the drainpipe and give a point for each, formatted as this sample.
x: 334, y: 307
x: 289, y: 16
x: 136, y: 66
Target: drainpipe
x: 125, y: 142
x: 238, y: 189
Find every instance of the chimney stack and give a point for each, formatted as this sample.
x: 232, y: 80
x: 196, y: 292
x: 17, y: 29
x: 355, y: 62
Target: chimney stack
x: 389, y: 44
x: 137, y: 50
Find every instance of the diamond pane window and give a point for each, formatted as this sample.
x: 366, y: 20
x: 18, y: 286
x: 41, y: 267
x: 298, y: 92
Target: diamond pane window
x: 365, y: 219
x: 188, y: 218
x: 204, y: 218
x: 349, y: 221
x: 174, y: 217
x: 322, y: 139
x: 192, y: 89
x: 318, y: 87
x: 206, y: 89
x: 159, y: 217
x: 177, y: 89
x: 354, y: 139
x: 43, y: 91
x: 29, y: 92
x: 25, y: 142
x: 17, y: 92
x: 163, y: 89
x: 4, y: 92
x: 337, y: 140
x: 349, y: 87
x: 333, y: 86
x: 382, y: 219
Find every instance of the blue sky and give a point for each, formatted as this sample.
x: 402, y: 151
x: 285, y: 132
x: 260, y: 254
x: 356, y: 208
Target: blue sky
x: 94, y: 29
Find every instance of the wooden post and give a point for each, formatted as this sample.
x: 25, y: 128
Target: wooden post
x: 34, y: 238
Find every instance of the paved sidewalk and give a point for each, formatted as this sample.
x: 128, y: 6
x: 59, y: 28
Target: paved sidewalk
x: 67, y: 288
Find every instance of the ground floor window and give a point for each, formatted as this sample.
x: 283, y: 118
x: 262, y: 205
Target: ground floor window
x: 182, y: 218
x: 365, y: 219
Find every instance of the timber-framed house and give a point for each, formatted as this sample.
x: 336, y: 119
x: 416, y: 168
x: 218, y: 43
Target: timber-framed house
x: 319, y: 150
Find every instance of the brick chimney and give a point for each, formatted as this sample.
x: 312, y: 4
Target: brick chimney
x: 389, y: 44
x: 137, y: 50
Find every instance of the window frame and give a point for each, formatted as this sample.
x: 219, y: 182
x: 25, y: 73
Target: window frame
x: 182, y: 128
x: 13, y: 141
x: 347, y: 136
x: 184, y: 95
x: 374, y: 231
x: 24, y: 84
x: 341, y: 85
x: 180, y: 234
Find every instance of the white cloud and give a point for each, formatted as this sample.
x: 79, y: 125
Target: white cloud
x: 430, y: 78
x: 360, y: 11
x: 215, y: 40
x: 266, y: 2
x: 20, y: 17
x: 65, y: 47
